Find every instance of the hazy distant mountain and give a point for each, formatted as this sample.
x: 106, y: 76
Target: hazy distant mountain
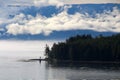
x: 55, y: 35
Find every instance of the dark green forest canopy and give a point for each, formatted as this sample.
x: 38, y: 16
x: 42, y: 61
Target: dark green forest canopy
x: 87, y: 48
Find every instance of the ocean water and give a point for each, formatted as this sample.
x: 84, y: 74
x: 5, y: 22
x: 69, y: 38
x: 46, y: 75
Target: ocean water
x: 11, y: 68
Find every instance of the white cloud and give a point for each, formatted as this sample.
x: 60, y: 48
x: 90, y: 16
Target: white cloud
x: 47, y: 2
x: 22, y: 24
x: 90, y: 1
x: 107, y: 21
x: 7, y: 10
x: 52, y: 2
x: 62, y: 2
x: 15, y: 3
x: 12, y: 7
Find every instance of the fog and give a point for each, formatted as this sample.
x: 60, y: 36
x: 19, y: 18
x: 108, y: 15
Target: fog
x: 23, y: 49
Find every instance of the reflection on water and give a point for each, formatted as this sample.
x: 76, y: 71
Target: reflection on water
x: 14, y: 70
x: 103, y: 66
x: 78, y: 71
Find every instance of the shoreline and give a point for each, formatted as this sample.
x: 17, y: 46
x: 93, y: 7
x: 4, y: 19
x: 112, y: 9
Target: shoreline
x: 69, y: 61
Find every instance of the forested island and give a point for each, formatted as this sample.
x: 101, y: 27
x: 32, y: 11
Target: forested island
x: 86, y: 48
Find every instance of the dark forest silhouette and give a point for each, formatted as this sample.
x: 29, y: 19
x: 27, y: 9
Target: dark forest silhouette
x: 86, y: 48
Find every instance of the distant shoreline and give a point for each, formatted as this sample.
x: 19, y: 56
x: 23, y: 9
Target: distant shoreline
x: 31, y: 60
x: 87, y: 62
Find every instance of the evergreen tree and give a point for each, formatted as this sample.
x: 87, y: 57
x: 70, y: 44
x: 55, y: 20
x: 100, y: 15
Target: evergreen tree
x: 47, y: 51
x: 86, y: 48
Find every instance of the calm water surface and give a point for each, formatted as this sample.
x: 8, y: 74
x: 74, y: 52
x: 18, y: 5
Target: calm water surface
x: 13, y: 69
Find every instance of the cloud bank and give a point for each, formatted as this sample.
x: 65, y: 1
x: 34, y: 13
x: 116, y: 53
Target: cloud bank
x: 26, y: 24
x: 53, y: 2
x: 90, y: 1
x: 13, y: 7
x: 16, y: 22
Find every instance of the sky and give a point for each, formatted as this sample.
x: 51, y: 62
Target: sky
x: 32, y: 2
x: 15, y: 18
x: 90, y: 1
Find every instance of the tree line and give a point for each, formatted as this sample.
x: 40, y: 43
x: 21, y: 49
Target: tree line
x: 86, y: 48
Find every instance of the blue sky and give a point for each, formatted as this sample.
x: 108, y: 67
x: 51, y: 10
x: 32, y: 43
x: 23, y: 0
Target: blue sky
x: 36, y: 17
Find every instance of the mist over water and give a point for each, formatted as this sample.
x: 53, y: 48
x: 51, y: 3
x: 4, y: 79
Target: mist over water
x: 23, y: 49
